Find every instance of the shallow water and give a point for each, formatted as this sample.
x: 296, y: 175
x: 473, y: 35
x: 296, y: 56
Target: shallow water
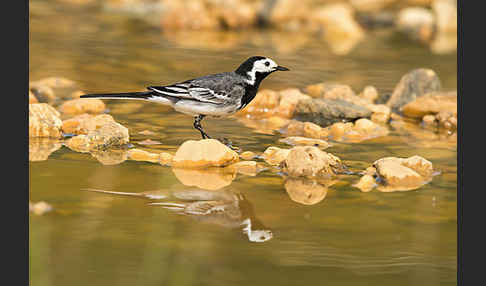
x: 347, y: 238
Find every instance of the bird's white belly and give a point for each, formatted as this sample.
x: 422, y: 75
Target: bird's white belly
x: 195, y: 108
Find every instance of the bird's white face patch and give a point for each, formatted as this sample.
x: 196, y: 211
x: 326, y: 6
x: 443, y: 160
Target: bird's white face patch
x: 262, y: 66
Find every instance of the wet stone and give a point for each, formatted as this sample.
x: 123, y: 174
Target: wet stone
x: 203, y: 153
x: 82, y: 105
x: 297, y: 140
x: 324, y: 112
x: 274, y: 155
x: 310, y: 161
x: 44, y: 121
x: 412, y: 85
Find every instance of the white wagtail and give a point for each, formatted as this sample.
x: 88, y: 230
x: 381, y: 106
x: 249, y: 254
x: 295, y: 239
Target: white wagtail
x: 215, y: 95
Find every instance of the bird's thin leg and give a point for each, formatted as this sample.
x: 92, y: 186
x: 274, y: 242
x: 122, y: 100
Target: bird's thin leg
x: 197, y: 125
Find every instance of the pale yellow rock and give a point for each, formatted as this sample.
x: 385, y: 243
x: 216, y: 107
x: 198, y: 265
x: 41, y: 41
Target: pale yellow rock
x: 369, y: 93
x: 203, y: 153
x: 82, y: 105
x: 417, y: 22
x: 295, y: 128
x: 312, y: 130
x: 207, y: 179
x: 429, y: 121
x: 297, y: 140
x: 365, y: 183
x: 108, y: 135
x: 262, y: 105
x: 364, y: 125
x: 84, y: 123
x: 165, y: 159
x: 42, y: 93
x: 310, y: 161
x: 381, y: 113
x: 142, y: 155
x: 44, y: 121
x: 247, y: 155
x: 403, y: 174
x: 446, y: 14
x: 306, y: 192
x: 275, y: 155
x: 431, y: 103
x: 288, y: 101
x: 55, y: 82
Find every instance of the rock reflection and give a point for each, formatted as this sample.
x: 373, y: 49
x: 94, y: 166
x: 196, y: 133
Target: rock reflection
x: 207, y: 179
x: 41, y: 148
x: 307, y: 191
x: 225, y: 208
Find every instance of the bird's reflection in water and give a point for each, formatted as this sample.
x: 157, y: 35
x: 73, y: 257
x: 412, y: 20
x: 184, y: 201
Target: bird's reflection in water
x: 224, y: 207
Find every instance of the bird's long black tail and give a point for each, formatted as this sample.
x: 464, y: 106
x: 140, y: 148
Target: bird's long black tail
x: 142, y: 95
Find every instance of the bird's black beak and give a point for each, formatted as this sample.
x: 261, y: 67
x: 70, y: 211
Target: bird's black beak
x: 281, y: 68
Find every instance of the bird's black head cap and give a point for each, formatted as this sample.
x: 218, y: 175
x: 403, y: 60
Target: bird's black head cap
x: 247, y: 65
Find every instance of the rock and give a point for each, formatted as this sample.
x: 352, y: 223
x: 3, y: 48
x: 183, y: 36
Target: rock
x: 332, y: 91
x: 41, y: 148
x: 32, y: 98
x: 165, y: 159
x: 446, y: 14
x: 312, y: 130
x: 82, y: 105
x: 39, y: 208
x: 55, y: 82
x: 249, y: 168
x: 324, y: 112
x: 85, y: 122
x: 187, y: 15
x: 289, y: 14
x: 305, y: 191
x: 269, y: 103
x: 337, y: 19
x: 431, y: 103
x: 44, y: 121
x: 203, y: 153
x: 369, y: 94
x: 366, y: 183
x: 262, y: 105
x: 447, y: 119
x: 311, y: 161
x: 429, y: 121
x: 381, y: 113
x: 414, y: 84
x: 274, y: 155
x: 247, y: 155
x: 288, y: 102
x: 42, y: 93
x: 295, y: 128
x: 207, y: 179
x: 362, y: 129
x: 444, y: 43
x: 108, y: 135
x: 297, y: 140
x: 402, y: 174
x: 142, y: 155
x: 417, y: 22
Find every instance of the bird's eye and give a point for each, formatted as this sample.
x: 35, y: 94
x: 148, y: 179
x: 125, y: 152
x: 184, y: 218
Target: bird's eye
x: 267, y: 63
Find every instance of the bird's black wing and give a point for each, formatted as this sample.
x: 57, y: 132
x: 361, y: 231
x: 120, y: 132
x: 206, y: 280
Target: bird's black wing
x: 190, y: 91
x: 217, y: 89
